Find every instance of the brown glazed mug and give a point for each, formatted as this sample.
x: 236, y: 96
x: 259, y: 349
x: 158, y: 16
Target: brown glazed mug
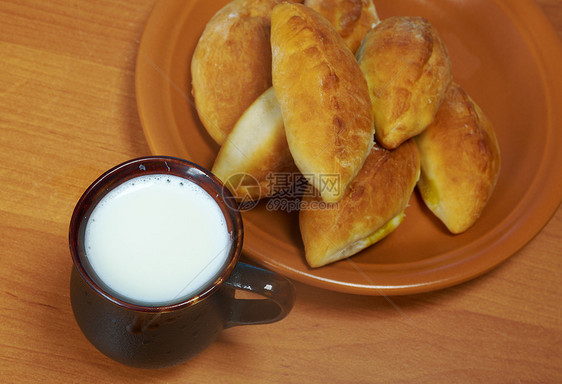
x: 158, y: 336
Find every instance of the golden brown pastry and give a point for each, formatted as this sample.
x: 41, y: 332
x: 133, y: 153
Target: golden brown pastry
x: 231, y: 65
x: 351, y: 18
x: 460, y: 161
x: 255, y: 151
x: 323, y: 97
x: 408, y: 71
x: 373, y: 206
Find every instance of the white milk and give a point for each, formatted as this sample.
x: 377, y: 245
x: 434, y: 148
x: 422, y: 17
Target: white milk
x: 157, y: 239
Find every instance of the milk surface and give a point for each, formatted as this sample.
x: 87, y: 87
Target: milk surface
x: 157, y: 239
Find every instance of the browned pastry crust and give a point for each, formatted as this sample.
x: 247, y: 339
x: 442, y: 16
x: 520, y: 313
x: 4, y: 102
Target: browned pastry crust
x: 351, y: 18
x: 323, y: 97
x: 460, y: 161
x: 371, y: 208
x: 256, y: 152
x: 408, y: 71
x: 231, y: 65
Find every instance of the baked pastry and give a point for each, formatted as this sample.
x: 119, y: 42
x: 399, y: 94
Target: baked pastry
x: 351, y: 18
x: 231, y: 65
x: 323, y: 97
x: 373, y: 206
x: 408, y: 71
x: 255, y: 151
x: 460, y: 161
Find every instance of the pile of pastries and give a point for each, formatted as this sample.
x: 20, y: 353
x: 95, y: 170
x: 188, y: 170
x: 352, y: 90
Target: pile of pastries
x: 364, y: 109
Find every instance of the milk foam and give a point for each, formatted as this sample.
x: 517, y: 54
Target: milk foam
x: 157, y: 239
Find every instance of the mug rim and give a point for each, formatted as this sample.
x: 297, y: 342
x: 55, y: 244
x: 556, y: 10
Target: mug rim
x: 147, y: 165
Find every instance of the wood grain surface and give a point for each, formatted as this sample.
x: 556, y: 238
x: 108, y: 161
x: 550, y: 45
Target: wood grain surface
x: 68, y: 112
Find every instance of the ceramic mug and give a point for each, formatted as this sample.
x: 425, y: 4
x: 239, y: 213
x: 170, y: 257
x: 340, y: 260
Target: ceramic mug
x: 150, y: 335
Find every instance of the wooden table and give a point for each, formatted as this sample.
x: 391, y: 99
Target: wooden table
x: 68, y: 112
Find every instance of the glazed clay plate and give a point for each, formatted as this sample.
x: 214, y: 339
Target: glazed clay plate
x: 506, y: 56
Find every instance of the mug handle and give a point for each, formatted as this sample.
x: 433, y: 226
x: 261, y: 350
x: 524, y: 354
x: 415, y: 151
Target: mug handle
x: 278, y: 291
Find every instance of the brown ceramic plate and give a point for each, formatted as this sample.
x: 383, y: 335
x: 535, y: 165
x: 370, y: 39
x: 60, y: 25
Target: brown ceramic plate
x: 504, y: 53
